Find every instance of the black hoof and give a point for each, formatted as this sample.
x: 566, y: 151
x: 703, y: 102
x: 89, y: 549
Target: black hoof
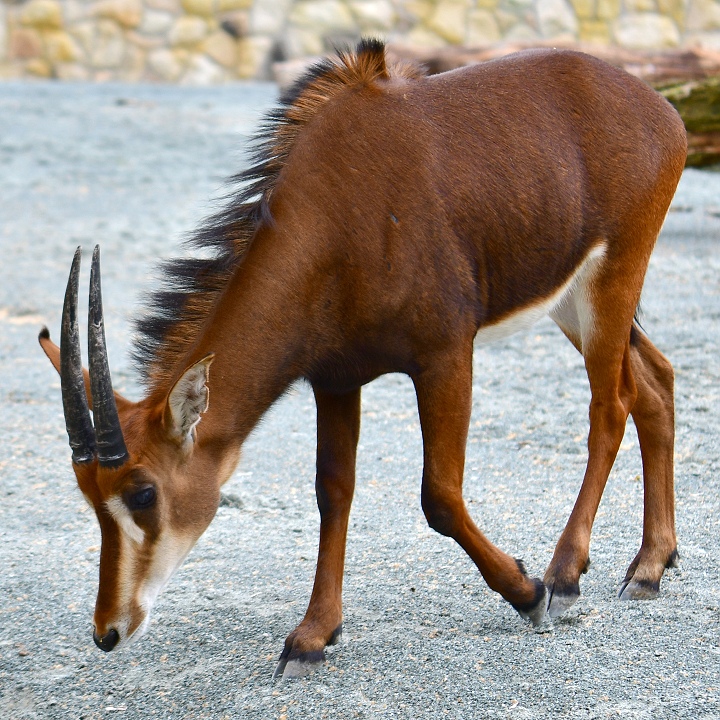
x: 534, y: 611
x: 638, y: 589
x: 299, y: 666
x: 336, y: 636
x: 561, y: 598
x: 293, y: 664
x: 643, y: 589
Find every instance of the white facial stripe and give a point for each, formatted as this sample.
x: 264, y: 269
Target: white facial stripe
x: 125, y: 581
x: 138, y: 585
x: 526, y: 317
x: 123, y: 518
x: 168, y: 555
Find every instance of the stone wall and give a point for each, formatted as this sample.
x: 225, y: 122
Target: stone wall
x: 214, y: 41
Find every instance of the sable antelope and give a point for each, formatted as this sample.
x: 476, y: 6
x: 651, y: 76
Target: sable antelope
x: 390, y: 219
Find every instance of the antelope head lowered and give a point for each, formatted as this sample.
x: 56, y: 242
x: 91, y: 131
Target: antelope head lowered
x: 136, y: 466
x: 390, y: 221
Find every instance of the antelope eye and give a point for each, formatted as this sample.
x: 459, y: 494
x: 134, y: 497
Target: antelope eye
x: 142, y: 499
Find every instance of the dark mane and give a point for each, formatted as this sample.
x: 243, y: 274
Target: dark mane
x: 190, y: 287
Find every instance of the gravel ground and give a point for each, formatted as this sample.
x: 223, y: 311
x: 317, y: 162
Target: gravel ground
x: 134, y: 168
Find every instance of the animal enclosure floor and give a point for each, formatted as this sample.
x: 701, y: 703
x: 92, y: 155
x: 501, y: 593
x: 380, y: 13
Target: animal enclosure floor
x: 134, y: 168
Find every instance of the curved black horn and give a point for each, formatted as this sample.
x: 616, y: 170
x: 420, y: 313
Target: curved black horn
x: 75, y: 405
x: 110, y: 443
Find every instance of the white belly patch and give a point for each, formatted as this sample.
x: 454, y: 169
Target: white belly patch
x: 527, y: 316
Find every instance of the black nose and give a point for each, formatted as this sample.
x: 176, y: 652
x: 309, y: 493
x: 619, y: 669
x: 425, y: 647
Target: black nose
x: 106, y: 642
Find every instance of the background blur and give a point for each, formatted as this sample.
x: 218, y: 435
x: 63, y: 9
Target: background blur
x: 206, y: 42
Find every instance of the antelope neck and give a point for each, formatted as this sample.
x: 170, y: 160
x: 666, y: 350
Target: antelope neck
x: 255, y: 335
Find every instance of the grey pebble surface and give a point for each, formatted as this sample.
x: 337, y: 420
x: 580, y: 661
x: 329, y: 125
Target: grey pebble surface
x: 134, y: 168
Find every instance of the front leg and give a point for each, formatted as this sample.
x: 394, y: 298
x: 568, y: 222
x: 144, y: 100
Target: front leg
x: 444, y: 403
x: 338, y: 430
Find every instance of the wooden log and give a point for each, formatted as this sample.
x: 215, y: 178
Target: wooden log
x: 698, y: 103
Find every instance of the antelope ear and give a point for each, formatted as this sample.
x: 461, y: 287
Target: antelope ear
x: 187, y: 401
x: 53, y: 353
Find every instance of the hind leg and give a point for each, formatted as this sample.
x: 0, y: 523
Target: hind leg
x: 654, y: 418
x: 612, y: 397
x: 598, y: 323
